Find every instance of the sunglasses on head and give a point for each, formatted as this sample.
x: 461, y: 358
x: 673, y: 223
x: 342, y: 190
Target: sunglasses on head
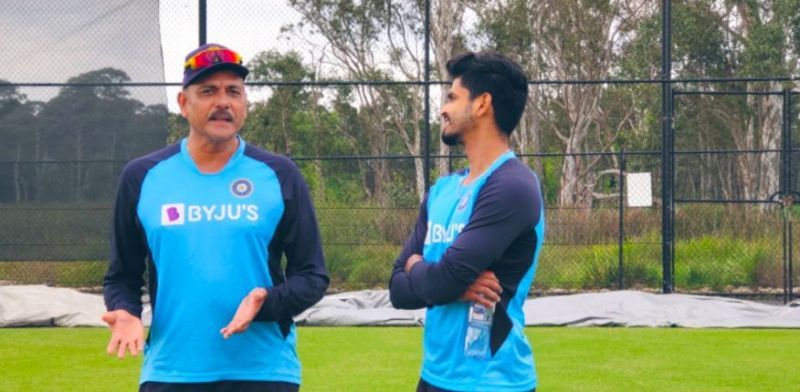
x: 212, y: 56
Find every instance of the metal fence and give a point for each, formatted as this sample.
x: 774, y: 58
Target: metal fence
x: 708, y: 230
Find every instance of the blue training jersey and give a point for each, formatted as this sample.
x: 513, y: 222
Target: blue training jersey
x: 495, y: 222
x: 208, y: 240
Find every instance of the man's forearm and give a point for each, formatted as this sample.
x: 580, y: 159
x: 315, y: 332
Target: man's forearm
x: 292, y: 297
x: 434, y: 284
x: 400, y: 293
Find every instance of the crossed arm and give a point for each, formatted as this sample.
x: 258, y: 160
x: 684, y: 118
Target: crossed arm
x: 499, y: 216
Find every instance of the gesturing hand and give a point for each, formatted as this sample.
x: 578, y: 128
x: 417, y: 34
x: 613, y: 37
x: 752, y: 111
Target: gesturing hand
x: 485, y: 290
x: 248, y: 309
x: 127, y: 332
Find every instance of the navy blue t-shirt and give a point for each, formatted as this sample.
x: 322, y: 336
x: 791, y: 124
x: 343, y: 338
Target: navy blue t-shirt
x: 209, y: 239
x: 495, y: 222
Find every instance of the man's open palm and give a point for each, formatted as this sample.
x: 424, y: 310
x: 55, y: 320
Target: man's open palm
x: 127, y: 332
x: 248, y: 309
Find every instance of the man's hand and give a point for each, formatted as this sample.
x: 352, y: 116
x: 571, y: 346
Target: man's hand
x: 412, y: 260
x: 485, y: 290
x: 127, y: 332
x: 248, y: 309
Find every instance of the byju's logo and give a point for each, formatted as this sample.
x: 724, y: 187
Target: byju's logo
x: 172, y: 214
x: 441, y: 234
x: 179, y: 213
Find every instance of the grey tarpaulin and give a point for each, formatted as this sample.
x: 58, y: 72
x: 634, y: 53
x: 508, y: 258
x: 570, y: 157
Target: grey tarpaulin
x: 639, y: 309
x: 42, y: 306
x: 369, y: 307
x: 47, y: 306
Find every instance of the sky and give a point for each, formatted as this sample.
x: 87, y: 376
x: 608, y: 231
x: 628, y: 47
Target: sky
x: 50, y: 42
x: 247, y: 26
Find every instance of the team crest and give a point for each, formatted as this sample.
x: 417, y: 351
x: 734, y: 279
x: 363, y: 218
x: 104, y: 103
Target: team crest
x: 242, y: 188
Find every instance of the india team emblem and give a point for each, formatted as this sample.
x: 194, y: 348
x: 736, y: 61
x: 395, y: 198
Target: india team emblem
x: 242, y: 188
x: 463, y: 202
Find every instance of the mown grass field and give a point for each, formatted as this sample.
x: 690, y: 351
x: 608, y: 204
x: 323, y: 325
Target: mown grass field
x: 387, y: 359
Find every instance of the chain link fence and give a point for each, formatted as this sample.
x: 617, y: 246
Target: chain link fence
x: 82, y: 100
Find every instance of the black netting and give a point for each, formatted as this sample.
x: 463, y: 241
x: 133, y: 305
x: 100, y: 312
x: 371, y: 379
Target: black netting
x: 55, y: 42
x: 69, y: 124
x: 89, y: 85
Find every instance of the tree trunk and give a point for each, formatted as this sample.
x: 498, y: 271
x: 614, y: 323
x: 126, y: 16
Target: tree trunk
x: 769, y: 114
x: 79, y: 164
x: 319, y: 189
x: 17, y: 184
x: 447, y: 19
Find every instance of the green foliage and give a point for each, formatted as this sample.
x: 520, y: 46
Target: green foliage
x: 361, y: 245
x: 322, y: 128
x: 715, y: 263
x: 79, y: 139
x: 549, y: 179
x: 64, y: 273
x: 764, y: 54
x: 717, y: 248
x: 698, y: 39
x: 177, y: 128
x: 506, y: 28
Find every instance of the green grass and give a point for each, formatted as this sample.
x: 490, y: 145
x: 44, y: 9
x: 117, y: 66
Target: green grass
x: 387, y: 359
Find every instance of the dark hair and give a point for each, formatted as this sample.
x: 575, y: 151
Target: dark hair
x: 501, y: 77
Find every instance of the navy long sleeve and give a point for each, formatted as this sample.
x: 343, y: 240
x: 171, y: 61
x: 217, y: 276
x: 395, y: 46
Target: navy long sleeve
x: 400, y: 293
x: 506, y: 210
x: 123, y: 283
x: 298, y: 237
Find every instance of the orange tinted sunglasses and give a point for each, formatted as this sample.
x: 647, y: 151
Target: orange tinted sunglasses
x: 212, y: 56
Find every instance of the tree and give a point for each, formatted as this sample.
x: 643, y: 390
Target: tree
x: 447, y: 40
x: 362, y: 37
x: 352, y: 31
x: 16, y: 117
x: 90, y: 124
x: 726, y: 39
x: 284, y: 102
x: 514, y: 28
x: 567, y: 40
x: 764, y: 39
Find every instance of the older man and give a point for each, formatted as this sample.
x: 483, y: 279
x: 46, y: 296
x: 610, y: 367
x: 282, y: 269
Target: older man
x: 210, y: 219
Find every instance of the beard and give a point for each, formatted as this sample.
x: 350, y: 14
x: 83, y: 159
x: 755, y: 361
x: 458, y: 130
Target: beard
x: 451, y: 139
x: 460, y: 124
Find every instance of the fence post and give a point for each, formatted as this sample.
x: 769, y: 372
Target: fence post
x: 786, y: 145
x: 620, y: 269
x: 784, y: 194
x: 791, y: 263
x: 788, y: 102
x: 202, y: 22
x: 667, y: 246
x: 426, y: 136
x: 787, y: 195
